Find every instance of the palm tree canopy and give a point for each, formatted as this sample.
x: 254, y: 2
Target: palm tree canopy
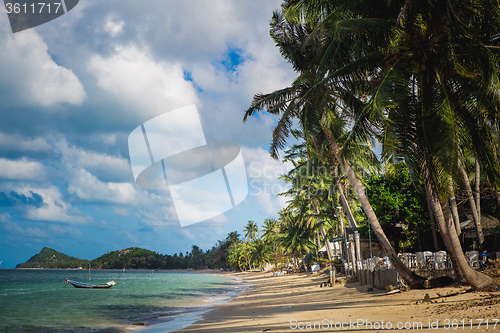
x: 251, y: 231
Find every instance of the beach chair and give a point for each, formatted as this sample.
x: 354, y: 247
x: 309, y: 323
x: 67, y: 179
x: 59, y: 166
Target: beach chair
x: 409, y: 259
x: 472, y: 258
x: 387, y: 262
x: 413, y: 260
x: 419, y: 256
x: 315, y: 268
x: 429, y: 259
x: 404, y: 258
x: 377, y: 262
x: 439, y: 259
x: 359, y: 265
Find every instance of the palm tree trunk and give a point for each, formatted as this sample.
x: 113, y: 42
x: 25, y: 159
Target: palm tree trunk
x: 352, y: 253
x: 433, y: 221
x: 477, y: 280
x: 317, y: 247
x: 498, y: 192
x: 358, y: 246
x: 323, y: 232
x: 413, y: 280
x: 472, y: 204
x: 477, y: 194
x: 445, y: 206
x: 498, y: 201
x: 453, y: 207
x: 345, y: 203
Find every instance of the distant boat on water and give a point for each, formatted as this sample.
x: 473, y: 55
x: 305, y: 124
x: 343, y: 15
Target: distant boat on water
x: 91, y: 286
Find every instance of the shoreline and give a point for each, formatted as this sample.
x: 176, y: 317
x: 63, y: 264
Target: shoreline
x: 295, y: 302
x: 208, y: 270
x: 180, y: 322
x: 171, y: 294
x: 260, y: 302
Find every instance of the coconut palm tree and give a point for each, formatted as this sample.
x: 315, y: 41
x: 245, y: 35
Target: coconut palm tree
x: 251, y: 231
x: 260, y: 253
x: 322, y: 106
x: 307, y: 188
x: 296, y: 239
x: 474, y: 204
x: 233, y: 237
x: 437, y: 96
x: 436, y: 86
x: 270, y: 230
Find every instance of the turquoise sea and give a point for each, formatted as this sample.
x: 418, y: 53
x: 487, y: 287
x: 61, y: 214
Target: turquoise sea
x: 42, y: 301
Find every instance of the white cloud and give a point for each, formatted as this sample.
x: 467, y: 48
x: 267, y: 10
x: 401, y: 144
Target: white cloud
x: 113, y: 25
x: 159, y: 216
x: 132, y: 61
x: 139, y: 82
x: 123, y: 212
x: 31, y: 77
x: 55, y: 209
x: 189, y: 234
x: 13, y: 142
x: 43, y: 233
x: 87, y: 187
x: 97, y: 163
x: 109, y: 139
x: 125, y: 235
x: 14, y: 229
x: 23, y: 169
x: 263, y: 176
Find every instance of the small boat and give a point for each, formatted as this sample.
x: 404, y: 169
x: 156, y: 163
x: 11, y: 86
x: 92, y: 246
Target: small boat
x: 91, y: 286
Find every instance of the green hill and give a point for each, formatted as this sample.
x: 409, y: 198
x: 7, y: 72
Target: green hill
x: 133, y: 257
x: 50, y: 258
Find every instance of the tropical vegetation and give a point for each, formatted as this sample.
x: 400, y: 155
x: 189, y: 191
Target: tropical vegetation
x: 419, y: 77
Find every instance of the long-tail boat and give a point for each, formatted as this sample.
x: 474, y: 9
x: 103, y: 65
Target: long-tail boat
x: 91, y: 286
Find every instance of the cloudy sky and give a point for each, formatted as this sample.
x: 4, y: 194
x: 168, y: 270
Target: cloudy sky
x: 73, y: 89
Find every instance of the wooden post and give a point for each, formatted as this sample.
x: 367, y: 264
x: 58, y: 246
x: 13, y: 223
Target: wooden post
x: 352, y: 253
x: 357, y: 247
x: 332, y: 276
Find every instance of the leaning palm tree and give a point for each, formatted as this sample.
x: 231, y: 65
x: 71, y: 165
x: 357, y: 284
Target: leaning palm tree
x: 321, y: 107
x: 436, y: 86
x: 437, y: 97
x: 473, y: 200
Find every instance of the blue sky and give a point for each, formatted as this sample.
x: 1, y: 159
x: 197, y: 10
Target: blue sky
x: 74, y: 88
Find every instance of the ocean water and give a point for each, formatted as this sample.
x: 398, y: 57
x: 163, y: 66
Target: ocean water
x: 42, y: 301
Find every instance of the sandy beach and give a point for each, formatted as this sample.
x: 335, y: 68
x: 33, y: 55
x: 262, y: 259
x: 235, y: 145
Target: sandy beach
x: 296, y: 302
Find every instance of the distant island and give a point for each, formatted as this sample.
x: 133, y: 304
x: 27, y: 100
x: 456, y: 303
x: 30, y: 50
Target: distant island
x: 49, y: 258
x: 133, y: 258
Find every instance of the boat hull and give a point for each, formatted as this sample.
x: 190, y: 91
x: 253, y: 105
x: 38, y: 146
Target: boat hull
x: 89, y: 286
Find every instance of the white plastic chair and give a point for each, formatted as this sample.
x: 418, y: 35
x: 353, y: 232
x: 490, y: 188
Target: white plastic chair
x: 439, y: 259
x: 428, y: 257
x: 473, y: 258
x: 409, y: 260
x: 420, y: 259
